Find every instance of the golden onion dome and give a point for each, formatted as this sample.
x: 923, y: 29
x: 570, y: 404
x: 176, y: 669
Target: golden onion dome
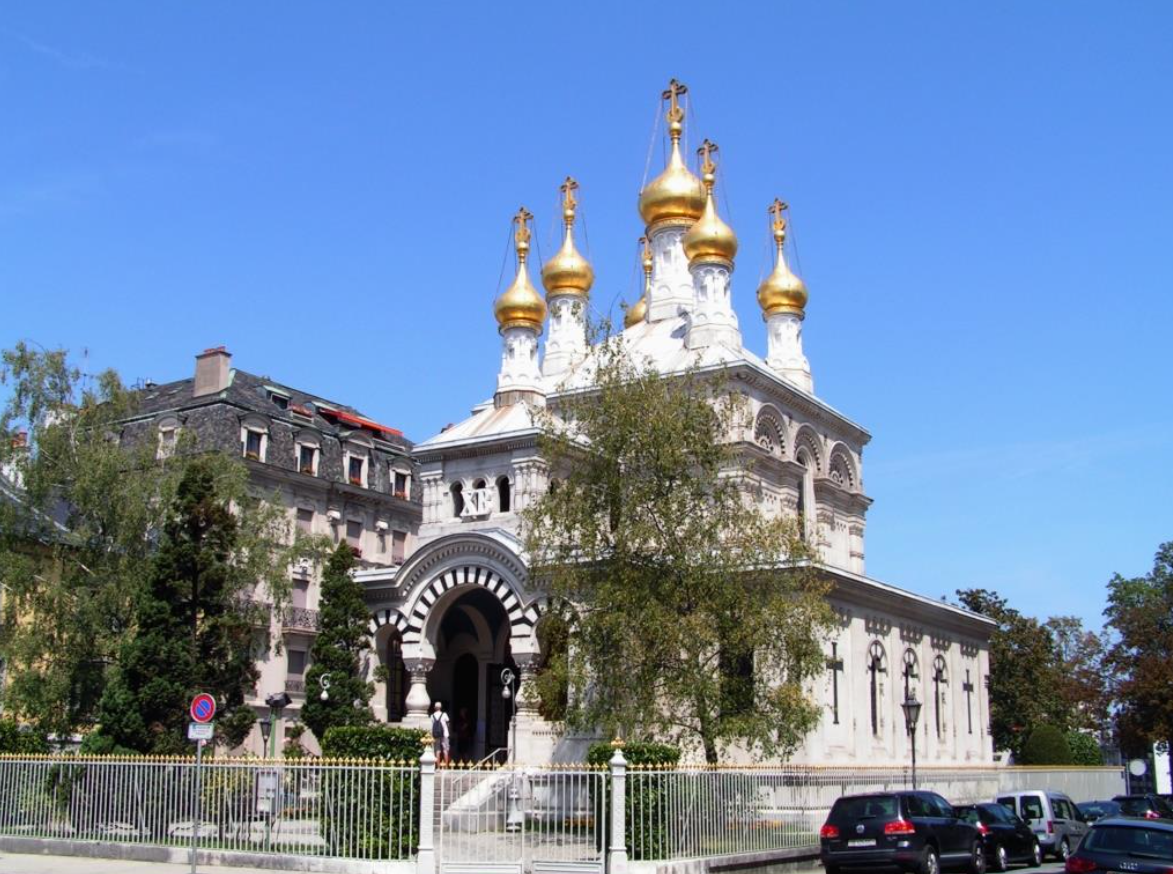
x: 676, y: 195
x: 710, y: 239
x: 520, y: 305
x: 781, y: 291
x: 638, y: 312
x: 568, y: 272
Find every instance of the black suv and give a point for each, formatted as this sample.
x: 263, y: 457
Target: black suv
x: 915, y: 831
x: 1147, y: 806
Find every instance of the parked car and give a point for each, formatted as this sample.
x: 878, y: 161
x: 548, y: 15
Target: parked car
x: 1006, y: 837
x: 1117, y: 843
x: 915, y: 831
x: 1147, y: 806
x: 1094, y: 810
x: 1052, y: 816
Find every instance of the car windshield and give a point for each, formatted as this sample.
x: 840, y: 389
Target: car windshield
x: 866, y: 807
x: 1143, y: 843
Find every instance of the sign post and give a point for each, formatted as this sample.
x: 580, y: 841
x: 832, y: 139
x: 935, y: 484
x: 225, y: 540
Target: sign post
x: 200, y: 730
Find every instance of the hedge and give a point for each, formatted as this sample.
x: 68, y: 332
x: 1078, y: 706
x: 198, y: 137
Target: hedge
x: 14, y: 739
x: 366, y: 816
x: 1085, y: 750
x: 647, y: 796
x: 1046, y: 746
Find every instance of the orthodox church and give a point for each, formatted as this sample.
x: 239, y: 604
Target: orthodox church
x: 461, y: 609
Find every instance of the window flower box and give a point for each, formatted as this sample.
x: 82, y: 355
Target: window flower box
x: 356, y: 480
x: 308, y: 470
x: 253, y: 456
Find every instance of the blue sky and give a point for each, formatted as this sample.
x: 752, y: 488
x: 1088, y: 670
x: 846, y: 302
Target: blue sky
x: 981, y: 200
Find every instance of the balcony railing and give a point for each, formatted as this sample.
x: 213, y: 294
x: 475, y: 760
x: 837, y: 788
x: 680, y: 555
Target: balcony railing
x: 300, y: 618
x: 295, y: 685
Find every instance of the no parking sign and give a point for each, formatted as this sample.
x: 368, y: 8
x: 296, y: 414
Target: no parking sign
x: 203, y: 707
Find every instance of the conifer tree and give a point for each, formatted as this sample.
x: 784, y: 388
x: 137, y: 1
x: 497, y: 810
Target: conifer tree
x: 194, y: 629
x: 343, y: 640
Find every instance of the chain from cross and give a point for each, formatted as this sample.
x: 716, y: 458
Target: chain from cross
x: 675, y: 90
x: 522, y: 234
x: 569, y: 202
x: 646, y: 253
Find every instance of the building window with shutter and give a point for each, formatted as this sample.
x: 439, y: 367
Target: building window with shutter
x: 355, y: 469
x: 398, y: 546
x: 305, y: 520
x: 354, y: 535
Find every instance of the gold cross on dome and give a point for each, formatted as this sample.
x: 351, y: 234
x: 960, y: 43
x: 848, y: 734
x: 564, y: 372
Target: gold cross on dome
x: 776, y: 209
x: 522, y: 234
x: 569, y: 201
x: 675, y: 90
x: 706, y: 151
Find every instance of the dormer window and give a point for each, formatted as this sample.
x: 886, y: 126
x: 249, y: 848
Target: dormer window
x: 307, y: 460
x: 400, y: 484
x: 356, y: 471
x: 168, y: 438
x: 254, y: 445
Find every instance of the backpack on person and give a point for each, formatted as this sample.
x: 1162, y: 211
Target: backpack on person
x: 437, y: 726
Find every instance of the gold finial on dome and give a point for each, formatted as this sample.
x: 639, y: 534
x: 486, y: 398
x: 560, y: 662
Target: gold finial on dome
x: 710, y: 239
x: 781, y: 291
x: 675, y: 197
x: 520, y: 306
x: 568, y: 272
x: 638, y: 311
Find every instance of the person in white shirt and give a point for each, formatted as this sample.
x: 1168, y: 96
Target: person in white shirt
x: 441, y: 734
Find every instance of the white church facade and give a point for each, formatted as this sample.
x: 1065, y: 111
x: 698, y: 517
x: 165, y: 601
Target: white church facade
x: 462, y: 606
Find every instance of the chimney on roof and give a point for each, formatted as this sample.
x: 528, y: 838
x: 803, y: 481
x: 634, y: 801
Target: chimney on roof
x: 211, y: 374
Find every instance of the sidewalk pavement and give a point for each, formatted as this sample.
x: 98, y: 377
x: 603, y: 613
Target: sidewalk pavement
x: 27, y: 863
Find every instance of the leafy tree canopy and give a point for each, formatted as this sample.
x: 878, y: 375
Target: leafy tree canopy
x: 1140, y: 613
x: 691, y: 615
x: 1025, y: 677
x: 77, y: 546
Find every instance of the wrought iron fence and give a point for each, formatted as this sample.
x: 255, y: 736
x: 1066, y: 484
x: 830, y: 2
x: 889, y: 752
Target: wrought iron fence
x: 348, y: 809
x: 692, y: 812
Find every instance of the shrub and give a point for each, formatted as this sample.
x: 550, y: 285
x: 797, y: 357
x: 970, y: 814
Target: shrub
x: 1046, y: 746
x: 1084, y: 749
x: 374, y: 817
x: 14, y: 739
x: 646, y: 799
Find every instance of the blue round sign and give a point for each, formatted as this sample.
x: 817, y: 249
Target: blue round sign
x: 203, y: 707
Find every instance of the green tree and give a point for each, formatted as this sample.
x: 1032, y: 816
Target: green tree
x: 1084, y: 749
x: 1025, y: 676
x: 691, y: 616
x: 1140, y: 612
x: 1046, y: 745
x: 343, y: 641
x: 76, y: 548
x: 1083, y: 680
x: 195, y: 628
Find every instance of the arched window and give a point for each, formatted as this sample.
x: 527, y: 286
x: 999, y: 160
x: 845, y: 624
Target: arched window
x: 396, y: 680
x: 457, y: 500
x: 876, y: 667
x: 909, y: 671
x: 806, y: 494
x: 503, y: 495
x: 940, y: 681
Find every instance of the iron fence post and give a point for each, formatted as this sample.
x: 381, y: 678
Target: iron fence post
x: 425, y: 859
x: 617, y: 853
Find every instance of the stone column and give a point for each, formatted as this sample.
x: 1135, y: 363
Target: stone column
x: 671, y: 291
x: 418, y: 700
x: 784, y: 345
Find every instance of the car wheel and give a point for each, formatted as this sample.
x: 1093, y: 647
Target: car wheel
x: 929, y: 863
x: 1064, y: 851
x: 831, y: 869
x: 977, y: 859
x: 1036, y: 855
x: 1001, y: 860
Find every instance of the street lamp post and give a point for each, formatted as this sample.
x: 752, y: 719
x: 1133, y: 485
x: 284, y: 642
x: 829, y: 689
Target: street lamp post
x: 271, y: 779
x: 514, y: 818
x: 911, y: 708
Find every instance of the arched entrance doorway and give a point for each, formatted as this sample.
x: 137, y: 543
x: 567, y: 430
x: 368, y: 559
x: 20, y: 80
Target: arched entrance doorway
x: 472, y: 648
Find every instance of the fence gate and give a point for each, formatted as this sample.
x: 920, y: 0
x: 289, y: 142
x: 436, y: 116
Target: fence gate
x: 520, y: 820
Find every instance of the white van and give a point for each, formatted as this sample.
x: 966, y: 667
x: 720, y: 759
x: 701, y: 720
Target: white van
x: 1052, y: 816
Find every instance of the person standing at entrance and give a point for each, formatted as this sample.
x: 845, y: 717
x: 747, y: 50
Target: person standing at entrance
x: 441, y: 734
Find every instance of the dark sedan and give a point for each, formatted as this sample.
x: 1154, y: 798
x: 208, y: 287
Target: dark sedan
x: 1136, y: 846
x: 1147, y: 806
x: 1006, y: 837
x: 1094, y: 810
